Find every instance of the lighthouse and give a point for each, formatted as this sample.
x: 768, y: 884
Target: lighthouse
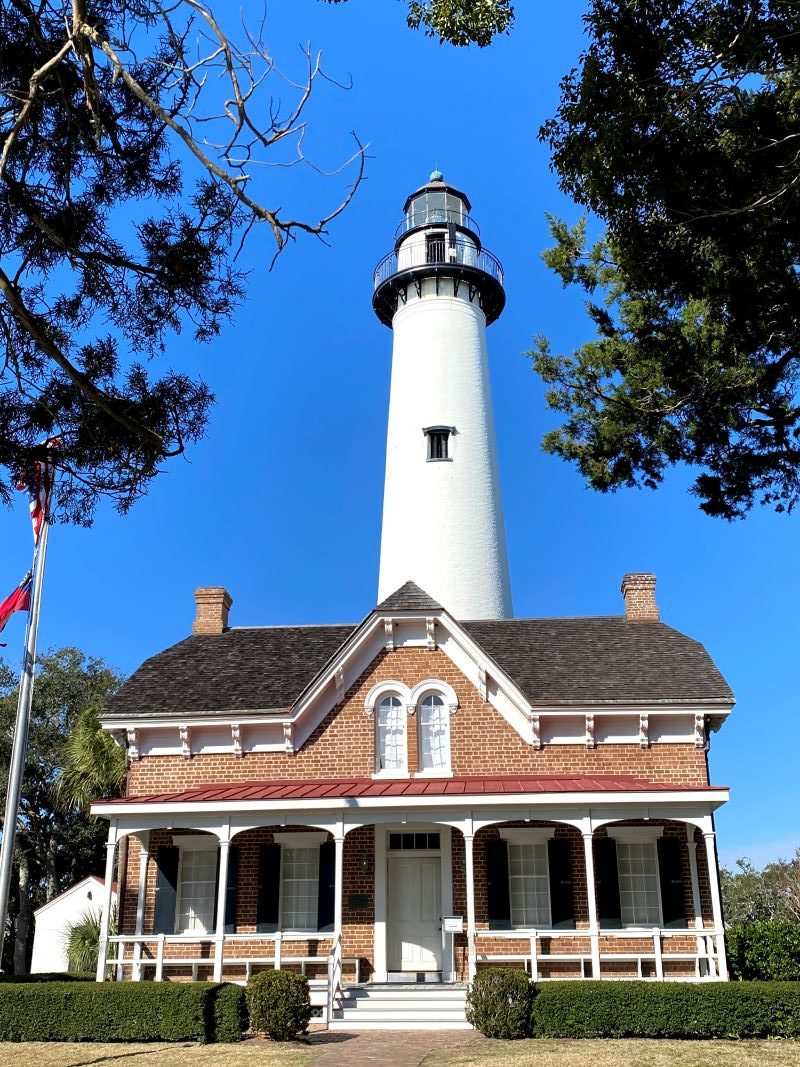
x: 438, y: 290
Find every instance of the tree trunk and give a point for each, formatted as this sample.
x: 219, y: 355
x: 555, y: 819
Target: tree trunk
x: 23, y: 926
x: 52, y: 874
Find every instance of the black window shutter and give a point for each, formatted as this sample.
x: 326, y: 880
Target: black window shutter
x: 670, y: 873
x: 230, y: 890
x: 606, y: 878
x: 327, y: 886
x: 562, y: 903
x: 269, y: 888
x: 497, y: 895
x: 166, y: 889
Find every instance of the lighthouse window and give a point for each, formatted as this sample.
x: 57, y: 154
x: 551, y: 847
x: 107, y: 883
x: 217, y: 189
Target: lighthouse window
x: 438, y: 438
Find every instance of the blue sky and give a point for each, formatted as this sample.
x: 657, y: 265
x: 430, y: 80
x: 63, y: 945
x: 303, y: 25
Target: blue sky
x: 282, y: 502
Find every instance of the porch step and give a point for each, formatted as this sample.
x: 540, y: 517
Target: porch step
x: 395, y: 1007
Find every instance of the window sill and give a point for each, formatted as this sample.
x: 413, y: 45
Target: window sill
x: 440, y: 772
x: 398, y: 776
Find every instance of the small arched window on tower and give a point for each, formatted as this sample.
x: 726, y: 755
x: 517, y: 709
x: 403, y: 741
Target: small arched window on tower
x: 438, y: 442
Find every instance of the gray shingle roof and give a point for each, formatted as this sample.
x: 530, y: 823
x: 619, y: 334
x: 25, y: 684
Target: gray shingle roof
x: 409, y: 597
x: 599, y: 660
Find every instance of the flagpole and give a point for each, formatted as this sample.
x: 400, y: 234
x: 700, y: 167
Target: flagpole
x: 19, y: 747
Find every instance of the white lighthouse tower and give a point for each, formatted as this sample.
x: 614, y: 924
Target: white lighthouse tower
x: 442, y: 513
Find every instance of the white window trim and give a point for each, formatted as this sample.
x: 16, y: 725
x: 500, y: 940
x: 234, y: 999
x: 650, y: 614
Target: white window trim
x: 641, y: 835
x: 530, y: 835
x: 434, y: 686
x: 189, y: 843
x: 376, y: 694
x: 298, y: 839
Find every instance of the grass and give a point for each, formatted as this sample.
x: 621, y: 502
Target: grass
x: 601, y: 1053
x: 247, y: 1053
x: 476, y: 1053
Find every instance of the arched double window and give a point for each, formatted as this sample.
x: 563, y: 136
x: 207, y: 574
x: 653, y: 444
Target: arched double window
x: 427, y: 708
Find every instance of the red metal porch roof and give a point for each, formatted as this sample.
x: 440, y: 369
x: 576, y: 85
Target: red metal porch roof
x: 346, y: 788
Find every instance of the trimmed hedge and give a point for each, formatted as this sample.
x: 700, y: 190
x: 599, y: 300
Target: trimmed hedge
x: 499, y: 1003
x: 764, y: 951
x: 130, y: 1011
x: 45, y: 976
x: 279, y: 1004
x: 667, y: 1009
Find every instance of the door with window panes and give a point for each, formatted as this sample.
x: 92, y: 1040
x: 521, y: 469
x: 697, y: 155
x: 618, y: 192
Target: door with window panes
x: 414, y: 926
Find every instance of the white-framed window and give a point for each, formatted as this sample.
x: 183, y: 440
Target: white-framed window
x: 433, y: 719
x: 528, y: 876
x: 637, y: 869
x: 197, y: 884
x: 299, y: 901
x: 390, y: 735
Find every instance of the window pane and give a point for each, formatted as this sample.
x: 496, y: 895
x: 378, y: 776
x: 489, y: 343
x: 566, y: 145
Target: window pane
x: 638, y: 883
x: 197, y: 891
x: 433, y: 729
x: 300, y: 888
x: 391, y: 735
x: 529, y: 884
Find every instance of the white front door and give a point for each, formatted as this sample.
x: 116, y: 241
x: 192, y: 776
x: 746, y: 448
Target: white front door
x: 414, y: 928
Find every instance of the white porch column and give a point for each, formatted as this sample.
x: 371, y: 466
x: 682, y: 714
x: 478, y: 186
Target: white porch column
x: 141, y: 895
x: 716, y: 901
x: 105, y: 918
x: 222, y: 885
x: 591, y: 899
x: 697, y: 907
x: 338, y: 891
x: 469, y: 875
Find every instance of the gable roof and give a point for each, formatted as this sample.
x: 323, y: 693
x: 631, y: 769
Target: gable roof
x: 409, y: 597
x: 603, y: 660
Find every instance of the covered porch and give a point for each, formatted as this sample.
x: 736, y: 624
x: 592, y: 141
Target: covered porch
x: 416, y: 881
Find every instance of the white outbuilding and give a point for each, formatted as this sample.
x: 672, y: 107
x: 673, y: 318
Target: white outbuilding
x: 54, y: 919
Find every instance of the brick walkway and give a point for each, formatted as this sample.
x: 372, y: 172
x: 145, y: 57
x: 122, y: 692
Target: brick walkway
x: 390, y: 1048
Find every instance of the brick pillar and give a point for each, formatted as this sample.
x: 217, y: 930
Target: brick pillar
x: 213, y: 604
x: 639, y: 593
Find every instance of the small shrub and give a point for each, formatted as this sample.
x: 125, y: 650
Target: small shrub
x: 667, y: 1009
x: 279, y: 1004
x: 764, y: 951
x: 83, y: 939
x: 130, y: 1011
x: 499, y: 1003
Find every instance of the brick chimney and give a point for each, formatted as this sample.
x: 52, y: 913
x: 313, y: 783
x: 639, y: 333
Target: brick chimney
x: 639, y: 592
x: 213, y: 604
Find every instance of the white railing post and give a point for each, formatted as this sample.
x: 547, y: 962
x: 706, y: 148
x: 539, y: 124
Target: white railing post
x: 657, y: 952
x: 278, y: 939
x: 591, y: 900
x: 469, y: 874
x: 160, y: 958
x: 716, y: 904
x: 534, y: 958
x: 141, y: 895
x: 105, y: 917
x: 219, y: 929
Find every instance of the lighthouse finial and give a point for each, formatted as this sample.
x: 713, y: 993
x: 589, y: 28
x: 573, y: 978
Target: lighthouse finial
x: 436, y: 176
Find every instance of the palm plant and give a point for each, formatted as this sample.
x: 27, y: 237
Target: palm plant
x: 93, y: 767
x: 83, y: 940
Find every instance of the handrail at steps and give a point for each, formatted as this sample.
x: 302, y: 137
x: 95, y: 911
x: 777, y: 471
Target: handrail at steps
x: 334, y: 974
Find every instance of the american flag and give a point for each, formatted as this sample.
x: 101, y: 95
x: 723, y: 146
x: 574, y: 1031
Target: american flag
x: 20, y: 600
x: 37, y: 481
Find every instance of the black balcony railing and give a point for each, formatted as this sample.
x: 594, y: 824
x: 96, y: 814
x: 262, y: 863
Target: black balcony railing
x: 464, y: 255
x: 433, y: 216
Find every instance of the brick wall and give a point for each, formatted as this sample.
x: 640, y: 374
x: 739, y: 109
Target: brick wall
x: 482, y: 742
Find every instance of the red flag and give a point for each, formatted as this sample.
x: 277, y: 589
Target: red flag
x: 37, y: 481
x: 20, y: 600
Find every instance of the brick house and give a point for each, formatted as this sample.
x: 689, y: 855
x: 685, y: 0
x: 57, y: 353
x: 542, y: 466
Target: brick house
x: 418, y: 796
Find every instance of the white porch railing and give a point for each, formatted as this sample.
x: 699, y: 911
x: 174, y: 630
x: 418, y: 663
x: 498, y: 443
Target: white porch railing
x: 707, y: 957
x: 278, y: 957
x: 334, y: 974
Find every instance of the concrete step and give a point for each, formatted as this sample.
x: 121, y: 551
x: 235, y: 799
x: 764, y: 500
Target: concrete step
x: 427, y: 1006
x: 397, y: 1024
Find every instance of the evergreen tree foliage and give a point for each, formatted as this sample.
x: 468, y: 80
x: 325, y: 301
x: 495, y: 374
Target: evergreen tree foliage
x: 679, y: 129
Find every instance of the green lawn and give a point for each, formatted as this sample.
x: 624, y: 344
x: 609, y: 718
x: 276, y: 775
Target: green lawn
x: 246, y: 1053
x: 628, y: 1053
